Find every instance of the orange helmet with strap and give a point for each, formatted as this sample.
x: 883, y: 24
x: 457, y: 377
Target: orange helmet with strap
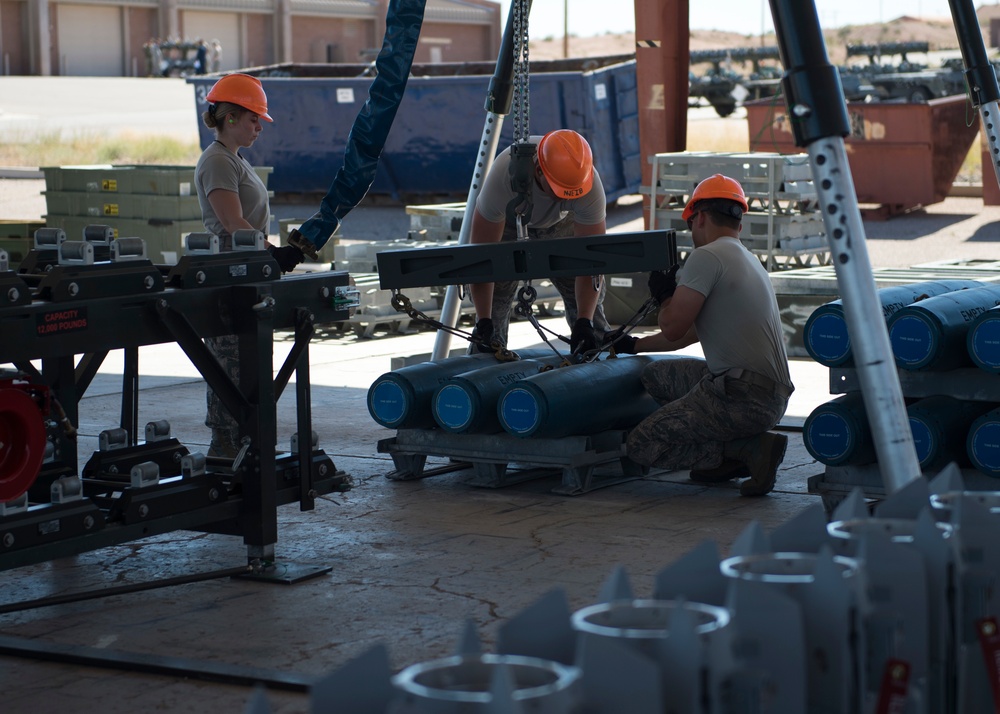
x: 567, y: 163
x: 242, y: 90
x: 717, y: 186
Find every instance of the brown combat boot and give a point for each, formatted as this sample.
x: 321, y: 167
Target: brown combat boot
x: 762, y: 455
x: 726, y: 471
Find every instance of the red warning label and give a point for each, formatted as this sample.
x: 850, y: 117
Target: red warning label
x: 59, y: 322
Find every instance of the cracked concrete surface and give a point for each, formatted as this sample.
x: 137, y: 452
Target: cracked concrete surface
x: 411, y: 560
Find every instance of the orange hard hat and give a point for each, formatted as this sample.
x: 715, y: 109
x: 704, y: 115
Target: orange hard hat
x: 242, y: 90
x: 566, y: 162
x: 717, y: 186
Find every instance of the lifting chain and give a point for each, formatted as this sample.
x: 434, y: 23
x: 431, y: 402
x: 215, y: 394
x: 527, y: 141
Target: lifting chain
x: 525, y: 301
x: 522, y: 152
x: 401, y: 303
x: 647, y: 308
x: 521, y: 72
x: 524, y: 308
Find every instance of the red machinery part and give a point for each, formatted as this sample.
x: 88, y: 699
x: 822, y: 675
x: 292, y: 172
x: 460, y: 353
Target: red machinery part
x: 22, y: 442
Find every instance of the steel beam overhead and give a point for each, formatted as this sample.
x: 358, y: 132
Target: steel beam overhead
x: 527, y: 260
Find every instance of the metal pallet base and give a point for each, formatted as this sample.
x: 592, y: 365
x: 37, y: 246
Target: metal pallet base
x: 836, y: 483
x: 586, y: 462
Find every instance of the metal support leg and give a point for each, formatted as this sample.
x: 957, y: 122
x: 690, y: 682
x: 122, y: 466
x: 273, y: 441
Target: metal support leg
x: 255, y: 327
x: 884, y: 404
x: 452, y: 305
x: 816, y: 104
x: 303, y: 412
x: 989, y: 113
x: 130, y: 395
x: 59, y: 374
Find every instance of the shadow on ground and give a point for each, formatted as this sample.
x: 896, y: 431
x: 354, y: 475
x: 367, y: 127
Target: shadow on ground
x: 911, y: 226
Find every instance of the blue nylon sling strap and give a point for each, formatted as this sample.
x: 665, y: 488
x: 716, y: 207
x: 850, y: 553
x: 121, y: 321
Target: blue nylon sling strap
x: 371, y: 127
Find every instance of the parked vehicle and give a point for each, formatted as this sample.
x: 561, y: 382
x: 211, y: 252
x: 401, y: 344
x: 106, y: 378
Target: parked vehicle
x: 921, y: 85
x: 725, y: 88
x: 176, y: 59
x: 905, y: 81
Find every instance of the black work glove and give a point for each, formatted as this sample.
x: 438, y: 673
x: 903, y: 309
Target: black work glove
x: 663, y: 283
x: 484, y: 331
x: 287, y: 256
x: 582, y: 338
x: 626, y: 345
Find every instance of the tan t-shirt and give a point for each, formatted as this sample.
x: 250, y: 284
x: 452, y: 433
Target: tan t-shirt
x: 547, y: 210
x: 219, y: 168
x: 739, y: 324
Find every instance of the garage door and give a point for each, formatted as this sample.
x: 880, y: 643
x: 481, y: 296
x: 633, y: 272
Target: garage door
x: 221, y: 26
x: 90, y: 41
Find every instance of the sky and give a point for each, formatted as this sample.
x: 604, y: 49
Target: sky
x: 751, y: 17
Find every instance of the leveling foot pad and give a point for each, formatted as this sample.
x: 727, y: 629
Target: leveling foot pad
x: 284, y: 573
x: 585, y: 462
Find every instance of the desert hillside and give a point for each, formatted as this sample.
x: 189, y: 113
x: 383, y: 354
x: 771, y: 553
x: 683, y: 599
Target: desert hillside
x: 939, y: 33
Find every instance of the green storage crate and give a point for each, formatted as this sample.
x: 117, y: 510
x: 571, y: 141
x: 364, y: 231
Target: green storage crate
x: 17, y: 238
x: 121, y: 205
x: 16, y: 249
x: 108, y: 178
x: 19, y: 229
x: 161, y: 235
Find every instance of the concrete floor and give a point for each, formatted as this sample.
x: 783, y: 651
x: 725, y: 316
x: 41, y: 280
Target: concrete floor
x: 411, y: 561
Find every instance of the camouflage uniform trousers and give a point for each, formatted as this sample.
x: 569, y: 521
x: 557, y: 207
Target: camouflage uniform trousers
x: 226, y: 349
x: 504, y: 291
x: 700, y: 413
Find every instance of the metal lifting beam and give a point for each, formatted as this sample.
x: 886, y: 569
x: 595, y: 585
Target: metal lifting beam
x: 527, y: 260
x: 818, y: 112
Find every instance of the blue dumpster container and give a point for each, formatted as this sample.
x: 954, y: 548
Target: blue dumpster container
x: 434, y: 140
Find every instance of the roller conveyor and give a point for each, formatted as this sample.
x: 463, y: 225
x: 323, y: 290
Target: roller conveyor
x: 71, y: 316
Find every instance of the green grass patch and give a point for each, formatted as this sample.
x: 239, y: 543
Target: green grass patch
x: 52, y: 149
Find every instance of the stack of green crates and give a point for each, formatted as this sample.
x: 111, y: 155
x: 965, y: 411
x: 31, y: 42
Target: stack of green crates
x: 17, y: 238
x: 155, y: 203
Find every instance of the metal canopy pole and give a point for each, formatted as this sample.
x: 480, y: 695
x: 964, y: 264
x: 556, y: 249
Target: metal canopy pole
x: 498, y: 100
x: 818, y: 115
x: 979, y: 74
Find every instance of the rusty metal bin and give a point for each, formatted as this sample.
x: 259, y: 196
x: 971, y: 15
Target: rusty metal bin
x: 902, y: 156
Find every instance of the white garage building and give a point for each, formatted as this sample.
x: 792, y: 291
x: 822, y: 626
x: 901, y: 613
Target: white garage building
x: 108, y: 37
